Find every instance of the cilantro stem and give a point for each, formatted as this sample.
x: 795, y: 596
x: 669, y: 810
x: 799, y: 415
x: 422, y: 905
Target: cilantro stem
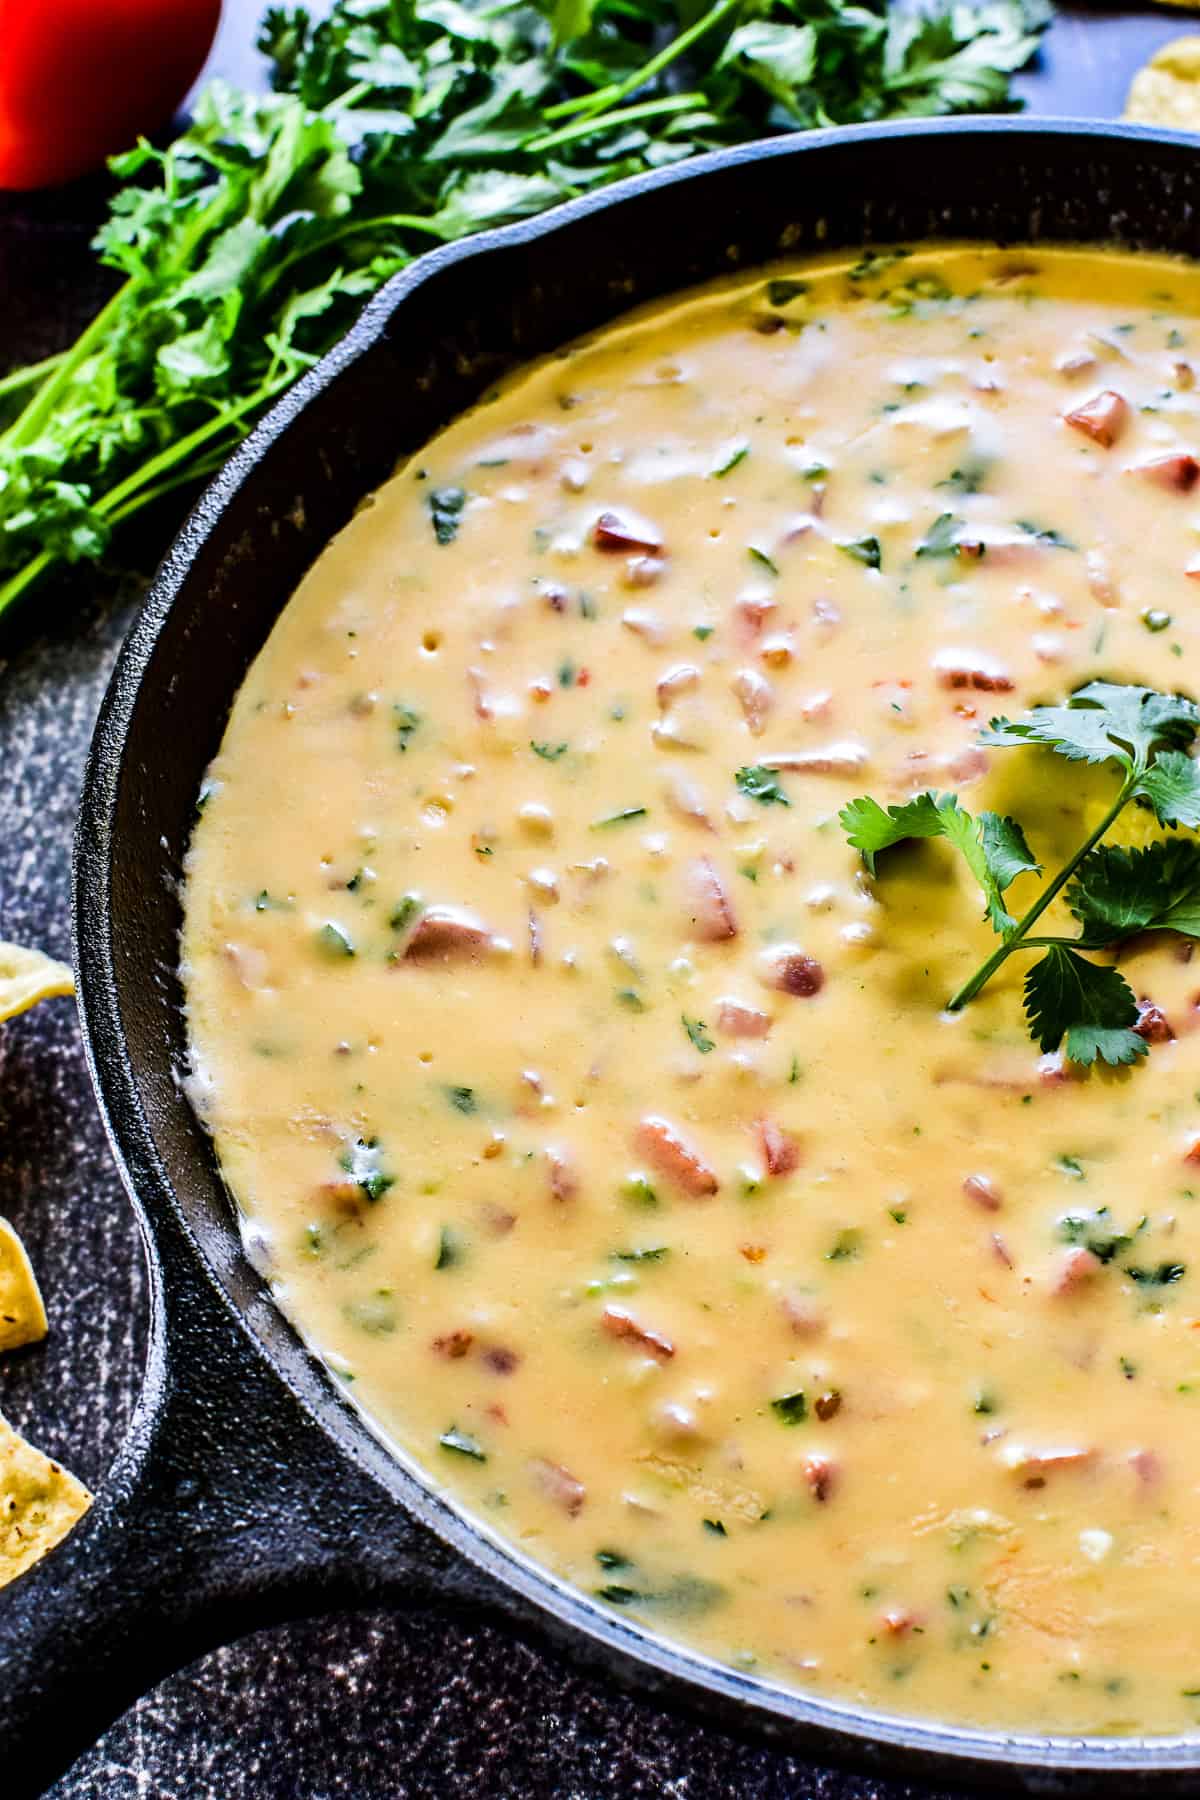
x: 25, y: 577
x: 603, y: 98
x: 1014, y: 939
x: 17, y: 380
x: 169, y: 469
x: 352, y: 228
x: 624, y: 115
x: 29, y: 422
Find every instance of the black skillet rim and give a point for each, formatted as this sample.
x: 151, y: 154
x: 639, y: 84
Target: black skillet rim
x: 1042, y: 1761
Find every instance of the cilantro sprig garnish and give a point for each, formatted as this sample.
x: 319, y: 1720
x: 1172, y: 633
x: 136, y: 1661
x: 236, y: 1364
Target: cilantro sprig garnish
x: 1111, y: 891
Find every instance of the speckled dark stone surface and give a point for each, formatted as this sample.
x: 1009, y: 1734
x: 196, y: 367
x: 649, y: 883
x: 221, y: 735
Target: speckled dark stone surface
x: 374, y: 1705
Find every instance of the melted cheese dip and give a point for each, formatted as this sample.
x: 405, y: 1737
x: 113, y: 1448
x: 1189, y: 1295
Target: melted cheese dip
x: 599, y: 1117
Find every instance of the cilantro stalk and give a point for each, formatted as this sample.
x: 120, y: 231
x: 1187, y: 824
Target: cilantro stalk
x: 31, y: 375
x: 1111, y: 891
x: 1018, y: 936
x: 606, y: 98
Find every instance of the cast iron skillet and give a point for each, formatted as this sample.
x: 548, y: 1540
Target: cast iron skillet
x: 248, y: 1490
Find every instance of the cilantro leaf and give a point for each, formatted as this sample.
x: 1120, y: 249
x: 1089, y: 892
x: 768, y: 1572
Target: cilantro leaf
x: 994, y: 848
x: 1172, y: 786
x: 1006, y: 850
x: 866, y: 550
x: 1118, y: 891
x: 869, y: 829
x: 1095, y: 1231
x: 1088, y: 1003
x: 996, y: 853
x: 942, y: 537
x: 761, y: 784
x: 1105, y: 722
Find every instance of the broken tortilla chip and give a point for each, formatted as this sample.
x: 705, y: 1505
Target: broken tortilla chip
x: 39, y: 1503
x: 26, y: 976
x: 22, y: 1315
x: 1167, y: 90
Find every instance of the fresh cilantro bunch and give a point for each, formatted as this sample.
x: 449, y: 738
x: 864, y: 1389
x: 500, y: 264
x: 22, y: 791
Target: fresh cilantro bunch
x: 1112, y: 892
x: 248, y: 246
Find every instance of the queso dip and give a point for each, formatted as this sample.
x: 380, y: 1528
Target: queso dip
x: 598, y: 1118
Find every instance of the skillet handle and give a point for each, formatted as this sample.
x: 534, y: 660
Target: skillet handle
x: 227, y: 1509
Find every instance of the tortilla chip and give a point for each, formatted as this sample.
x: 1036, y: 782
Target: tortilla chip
x: 22, y: 1315
x: 26, y: 976
x: 39, y: 1503
x: 1167, y: 90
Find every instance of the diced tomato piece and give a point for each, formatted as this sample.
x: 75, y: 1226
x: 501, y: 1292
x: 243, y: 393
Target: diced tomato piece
x: 625, y: 531
x: 820, y: 1474
x: 971, y: 669
x: 755, y: 695
x: 564, y: 1182
x: 1153, y: 1023
x: 1102, y: 418
x: 739, y: 1021
x: 445, y: 934
x: 1177, y: 471
x: 559, y: 1486
x: 709, y: 907
x: 792, y: 972
x: 781, y: 1151
x: 620, y: 1324
x: 662, y: 1146
x: 983, y: 1191
x: 1076, y: 1268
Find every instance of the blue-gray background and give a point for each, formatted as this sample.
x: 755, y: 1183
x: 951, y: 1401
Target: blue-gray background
x: 371, y: 1706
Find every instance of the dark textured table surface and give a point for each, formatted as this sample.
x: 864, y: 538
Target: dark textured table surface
x: 367, y: 1706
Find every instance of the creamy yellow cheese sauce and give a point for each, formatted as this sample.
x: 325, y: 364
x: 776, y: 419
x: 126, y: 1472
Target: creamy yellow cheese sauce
x: 597, y: 1115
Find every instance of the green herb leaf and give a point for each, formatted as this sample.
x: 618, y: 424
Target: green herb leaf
x: 364, y: 1162
x: 1095, y: 1232
x: 762, y: 785
x: 1172, y: 786
x: 1117, y: 892
x: 1105, y: 722
x: 1163, y: 1274
x: 1088, y: 1003
x: 790, y: 1409
x: 406, y: 912
x: 761, y: 557
x: 547, y: 752
x: 462, y: 1099
x: 995, y: 851
x: 333, y: 941
x: 407, y: 720
x: 866, y: 550
x: 374, y: 1314
x: 869, y: 829
x: 994, y: 848
x: 449, y: 1250
x: 695, y: 1030
x: 462, y: 1444
x: 730, y: 460
x: 942, y: 537
x: 445, y: 510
